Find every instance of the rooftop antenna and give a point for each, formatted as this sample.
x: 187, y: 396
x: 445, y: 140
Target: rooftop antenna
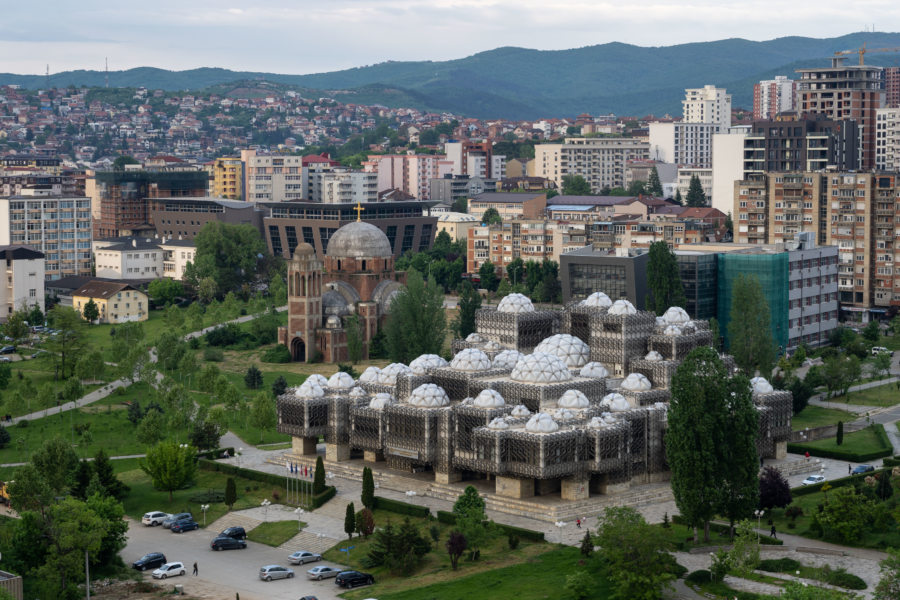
x: 107, y: 72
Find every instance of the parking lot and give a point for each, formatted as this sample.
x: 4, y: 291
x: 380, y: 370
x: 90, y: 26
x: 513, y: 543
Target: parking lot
x: 222, y: 574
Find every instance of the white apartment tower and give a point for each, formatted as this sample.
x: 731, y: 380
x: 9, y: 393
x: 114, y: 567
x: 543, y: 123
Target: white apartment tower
x: 887, y: 139
x: 708, y: 104
x: 601, y: 161
x: 774, y: 96
x: 272, y: 178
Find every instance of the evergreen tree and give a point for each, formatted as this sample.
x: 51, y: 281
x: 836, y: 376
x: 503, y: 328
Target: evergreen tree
x: 469, y: 303
x: 695, y: 196
x: 575, y: 185
x: 353, y: 328
x: 678, y: 199
x: 82, y: 479
x: 840, y: 433
x: 230, y: 493
x: 319, y: 477
x: 749, y: 334
x: 738, y: 459
x: 368, y: 489
x: 654, y: 186
x: 107, y: 476
x: 716, y: 334
x: 90, y: 311
x: 587, y: 543
x: 417, y: 323
x: 663, y: 278
x: 488, y: 275
x: 253, y: 379
x: 491, y: 217
x: 884, y: 489
x: 350, y: 521
x: 5, y: 438
x: 279, y: 386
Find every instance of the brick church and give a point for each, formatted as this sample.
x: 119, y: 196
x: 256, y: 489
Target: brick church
x: 357, y: 277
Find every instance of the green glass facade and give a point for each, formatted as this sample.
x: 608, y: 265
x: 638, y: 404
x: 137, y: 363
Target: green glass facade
x: 772, y: 272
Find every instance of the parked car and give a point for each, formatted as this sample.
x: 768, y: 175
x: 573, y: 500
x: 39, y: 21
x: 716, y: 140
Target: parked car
x: 171, y: 569
x: 7, y: 349
x: 154, y: 518
x: 322, y: 572
x: 309, y: 598
x: 270, y: 572
x: 167, y: 523
x: 879, y: 349
x: 237, y: 533
x: 5, y: 359
x: 39, y: 353
x: 813, y: 479
x: 301, y: 557
x: 860, y: 469
x: 223, y: 542
x: 185, y: 525
x: 349, y: 579
x: 149, y: 561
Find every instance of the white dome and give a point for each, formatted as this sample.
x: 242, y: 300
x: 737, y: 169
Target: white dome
x: 541, y: 423
x: 573, y: 399
x: 615, y: 402
x: 761, y: 386
x: 604, y: 420
x: 340, y: 381
x: 541, y: 368
x: 660, y: 322
x: 380, y: 401
x: 429, y: 395
x: 520, y: 410
x: 498, y: 423
x: 622, y: 307
x: 676, y: 316
x: 515, y: 303
x: 357, y: 392
x: 636, y: 382
x: 594, y: 369
x: 370, y: 375
x: 563, y: 414
x: 470, y: 359
x: 388, y: 375
x: 507, y: 359
x: 672, y: 330
x: 568, y: 347
x: 598, y: 299
x: 491, y: 346
x: 317, y: 379
x: 654, y: 356
x: 489, y: 399
x: 310, y: 389
x: 425, y: 363
x: 474, y: 338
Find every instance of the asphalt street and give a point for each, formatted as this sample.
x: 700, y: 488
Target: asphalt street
x: 227, y: 571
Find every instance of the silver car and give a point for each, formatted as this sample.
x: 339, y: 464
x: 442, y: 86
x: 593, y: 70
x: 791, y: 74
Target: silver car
x: 322, y: 572
x: 301, y: 557
x: 154, y: 518
x: 270, y: 572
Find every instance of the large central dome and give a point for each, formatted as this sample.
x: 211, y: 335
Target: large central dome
x: 359, y: 239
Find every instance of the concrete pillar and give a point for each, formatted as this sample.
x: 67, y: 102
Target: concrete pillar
x: 451, y: 476
x: 546, y: 487
x: 574, y: 488
x: 511, y: 487
x: 304, y: 445
x: 780, y: 450
x: 373, y: 455
x: 337, y: 452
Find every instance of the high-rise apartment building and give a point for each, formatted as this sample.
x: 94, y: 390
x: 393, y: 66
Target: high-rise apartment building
x: 475, y: 159
x: 887, y: 139
x: 410, y: 173
x: 688, y: 144
x: 842, y: 92
x: 801, y: 145
x: 272, y: 177
x: 774, y: 96
x: 228, y: 178
x: 602, y: 162
x: 708, y: 104
x: 892, y: 87
x: 339, y: 185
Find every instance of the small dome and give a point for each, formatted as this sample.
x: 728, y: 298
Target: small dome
x: 615, y: 402
x: 597, y: 299
x: 672, y: 330
x: 429, y: 395
x: 622, y: 307
x: 520, y: 410
x: 333, y: 322
x: 489, y: 399
x: 506, y: 359
x: 304, y: 249
x: 359, y: 240
x: 541, y: 423
x: 573, y: 399
x: 317, y: 379
x: 370, y: 375
x: 340, y: 381
x: 594, y: 369
x: 491, y: 346
x: 474, y: 338
x: 636, y: 382
x: 761, y: 385
x: 357, y: 392
x: 564, y: 414
x: 654, y: 356
x: 515, y: 303
x: 470, y: 359
x: 380, y: 401
x: 541, y: 368
x: 604, y: 420
x: 498, y: 423
x: 388, y: 375
x: 311, y: 388
x: 568, y: 347
x: 425, y: 363
x: 676, y: 316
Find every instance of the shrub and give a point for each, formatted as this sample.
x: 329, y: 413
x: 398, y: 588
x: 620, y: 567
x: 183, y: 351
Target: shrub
x: 211, y: 354
x: 699, y: 577
x: 512, y: 540
x: 435, y: 532
x: 194, y: 343
x: 841, y: 578
x: 225, y: 335
x: 779, y: 565
x: 23, y: 423
x: 401, y: 508
x: 4, y: 437
x: 208, y: 496
x: 277, y: 354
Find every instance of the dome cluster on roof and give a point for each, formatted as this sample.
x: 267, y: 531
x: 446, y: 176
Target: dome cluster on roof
x: 491, y: 346
x: 573, y: 399
x: 604, y: 420
x: 388, y: 375
x: 498, y: 423
x: 541, y: 368
x: 515, y: 303
x: 311, y: 388
x: 370, y: 375
x: 672, y: 330
x: 594, y: 369
x: 761, y: 385
x: 341, y: 381
x: 636, y: 382
x: 520, y: 410
x: 489, y: 399
x: 568, y: 347
x: 506, y: 359
x: 425, y: 363
x: 622, y: 307
x: 676, y: 316
x: 597, y: 299
x: 563, y: 414
x: 615, y: 402
x: 654, y: 356
x: 380, y: 401
x: 357, y: 392
x: 541, y: 423
x: 359, y: 239
x: 429, y: 395
x: 470, y: 359
x: 474, y: 338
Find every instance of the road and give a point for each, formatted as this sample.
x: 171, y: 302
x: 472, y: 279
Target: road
x: 222, y: 574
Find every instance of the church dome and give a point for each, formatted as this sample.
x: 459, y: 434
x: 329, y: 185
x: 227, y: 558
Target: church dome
x: 359, y: 239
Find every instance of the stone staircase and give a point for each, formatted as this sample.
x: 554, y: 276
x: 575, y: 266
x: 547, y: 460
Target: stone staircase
x: 311, y: 542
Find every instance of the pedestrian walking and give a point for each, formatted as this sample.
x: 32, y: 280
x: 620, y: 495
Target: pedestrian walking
x: 578, y: 523
x: 772, y: 532
x: 195, y: 564
x: 849, y: 469
x: 807, y: 456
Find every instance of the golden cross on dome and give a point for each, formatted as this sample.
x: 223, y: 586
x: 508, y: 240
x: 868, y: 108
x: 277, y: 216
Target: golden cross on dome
x: 358, y: 210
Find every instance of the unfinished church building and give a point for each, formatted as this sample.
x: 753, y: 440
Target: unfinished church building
x: 569, y: 402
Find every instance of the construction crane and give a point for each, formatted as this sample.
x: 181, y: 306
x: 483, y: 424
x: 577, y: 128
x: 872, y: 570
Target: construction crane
x: 862, y: 52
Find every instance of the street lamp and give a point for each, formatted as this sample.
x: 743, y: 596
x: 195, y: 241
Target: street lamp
x: 240, y: 452
x: 299, y: 512
x: 759, y: 513
x: 204, y: 508
x: 265, y: 504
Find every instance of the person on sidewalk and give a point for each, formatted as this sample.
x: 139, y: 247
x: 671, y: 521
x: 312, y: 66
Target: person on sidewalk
x: 849, y: 469
x: 196, y: 571
x: 807, y: 456
x: 772, y: 532
x: 578, y: 523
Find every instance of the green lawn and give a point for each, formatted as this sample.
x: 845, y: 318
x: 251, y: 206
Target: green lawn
x: 883, y: 395
x: 860, y: 442
x: 28, y: 377
x: 817, y: 416
x: 275, y: 533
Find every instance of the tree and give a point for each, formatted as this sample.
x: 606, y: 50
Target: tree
x: 587, y: 545
x: 888, y: 587
x: 227, y: 254
x: 5, y: 375
x: 16, y: 325
x: 840, y: 433
x: 82, y: 479
x: 884, y: 489
x: 729, y: 223
x: 350, y: 521
x: 743, y: 557
x: 845, y: 517
x: 487, y: 273
x: 365, y: 523
x: 368, y: 489
x: 208, y: 379
x: 4, y: 437
x: 575, y: 185
x: 749, y: 331
x: 253, y: 378
x: 654, y: 187
x: 515, y: 270
x: 71, y: 529
x: 35, y: 316
x: 468, y: 500
x: 801, y: 391
x: 635, y: 555
x: 696, y: 196
x: 473, y: 524
x: 637, y: 188
x: 230, y: 493
x: 469, y: 303
x: 319, y: 477
x: 456, y: 545
x: 491, y: 217
x: 170, y: 349
x: 774, y: 490
x: 839, y: 372
x: 354, y: 329
x: 263, y: 413
x: 170, y: 466
x: 112, y: 485
x: 663, y: 278
x: 279, y: 386
x: 739, y: 461
x: 882, y: 363
x: 151, y: 428
x: 460, y: 205
x: 56, y: 462
x: 90, y: 367
x: 417, y: 323
x: 207, y: 288
x: 205, y: 434
x: 871, y: 331
x: 580, y: 585
x: 68, y: 343
x: 72, y: 390
x: 165, y: 290
x: 121, y: 161
x: 174, y: 318
x: 90, y: 311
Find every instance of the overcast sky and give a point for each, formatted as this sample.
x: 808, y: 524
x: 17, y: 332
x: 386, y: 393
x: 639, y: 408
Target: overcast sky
x: 302, y: 36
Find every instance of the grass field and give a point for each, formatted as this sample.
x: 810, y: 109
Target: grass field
x: 883, y: 395
x: 275, y: 533
x: 817, y: 416
x: 860, y: 442
x: 28, y: 377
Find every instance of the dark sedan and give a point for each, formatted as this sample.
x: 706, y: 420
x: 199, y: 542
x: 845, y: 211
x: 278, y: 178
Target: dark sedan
x: 349, y: 579
x: 227, y: 543
x: 184, y: 525
x: 149, y: 561
x: 860, y: 469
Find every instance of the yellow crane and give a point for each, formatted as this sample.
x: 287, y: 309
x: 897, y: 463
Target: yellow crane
x: 863, y: 50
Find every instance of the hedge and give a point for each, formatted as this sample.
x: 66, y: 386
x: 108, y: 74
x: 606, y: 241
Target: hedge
x: 448, y: 518
x: 269, y: 478
x: 214, y: 454
x: 401, y: 508
x: 892, y: 462
x: 886, y: 450
x: 835, y: 483
x: 725, y: 530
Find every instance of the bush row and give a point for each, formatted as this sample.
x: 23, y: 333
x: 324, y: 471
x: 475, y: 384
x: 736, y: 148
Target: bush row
x: 834, y: 483
x: 725, y: 530
x: 269, y: 478
x: 214, y: 454
x: 401, y: 508
x: 886, y: 449
x: 448, y: 518
x: 892, y: 462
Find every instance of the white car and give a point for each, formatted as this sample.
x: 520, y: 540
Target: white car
x: 171, y: 569
x: 154, y: 518
x: 813, y: 479
x: 323, y: 572
x: 302, y: 557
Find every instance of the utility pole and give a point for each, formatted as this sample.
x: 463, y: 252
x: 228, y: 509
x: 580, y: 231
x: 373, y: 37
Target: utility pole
x: 107, y: 72
x: 87, y: 577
